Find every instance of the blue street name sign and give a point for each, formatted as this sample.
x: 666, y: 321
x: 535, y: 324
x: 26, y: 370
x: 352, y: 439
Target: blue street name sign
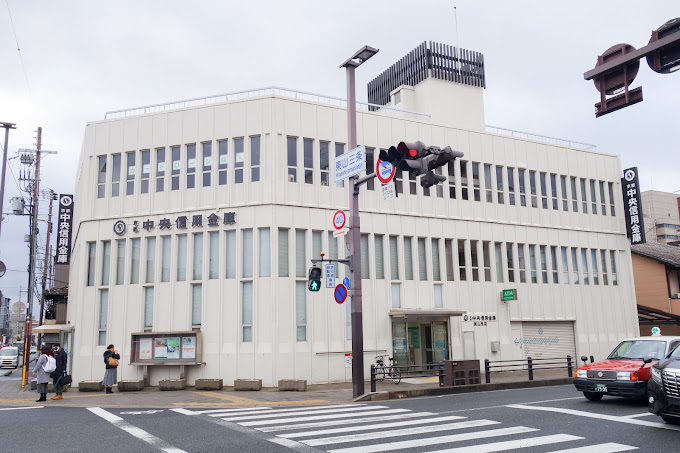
x: 350, y: 164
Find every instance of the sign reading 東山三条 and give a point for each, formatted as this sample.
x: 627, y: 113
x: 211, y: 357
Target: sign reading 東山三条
x: 632, y: 204
x: 350, y: 164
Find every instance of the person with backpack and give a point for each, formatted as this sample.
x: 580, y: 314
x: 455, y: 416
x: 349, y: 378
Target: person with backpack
x: 43, y: 367
x: 58, y: 374
x: 111, y: 358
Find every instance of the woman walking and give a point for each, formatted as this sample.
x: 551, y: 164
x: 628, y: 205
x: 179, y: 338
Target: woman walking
x: 111, y: 358
x: 43, y: 376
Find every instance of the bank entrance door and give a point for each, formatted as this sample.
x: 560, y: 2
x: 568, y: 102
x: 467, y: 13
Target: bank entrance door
x: 420, y: 342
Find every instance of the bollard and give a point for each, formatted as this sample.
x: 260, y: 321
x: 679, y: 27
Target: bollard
x: 592, y: 359
x: 570, y: 369
x: 487, y: 371
x: 441, y: 373
x: 531, y: 368
x: 372, y: 378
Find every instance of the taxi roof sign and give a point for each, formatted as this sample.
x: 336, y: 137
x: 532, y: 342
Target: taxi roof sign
x: 656, y: 332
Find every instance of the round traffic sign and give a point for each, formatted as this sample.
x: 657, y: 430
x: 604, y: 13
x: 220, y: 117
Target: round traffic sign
x: 340, y: 293
x: 339, y: 219
x: 384, y: 171
x: 345, y: 281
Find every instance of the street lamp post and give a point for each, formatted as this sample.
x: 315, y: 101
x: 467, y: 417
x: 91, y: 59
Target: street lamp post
x: 354, y: 235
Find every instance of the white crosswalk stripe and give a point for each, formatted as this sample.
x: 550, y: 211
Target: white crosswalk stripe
x: 512, y: 444
x: 377, y: 418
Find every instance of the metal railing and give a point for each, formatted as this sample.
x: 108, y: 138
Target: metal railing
x: 539, y: 138
x: 530, y: 365
x: 407, y: 372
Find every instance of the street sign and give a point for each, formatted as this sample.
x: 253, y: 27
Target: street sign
x: 329, y: 274
x: 348, y: 360
x: 345, y: 281
x: 508, y: 294
x: 340, y: 293
x: 339, y: 219
x: 384, y: 171
x: 342, y: 232
x: 389, y: 191
x: 350, y: 164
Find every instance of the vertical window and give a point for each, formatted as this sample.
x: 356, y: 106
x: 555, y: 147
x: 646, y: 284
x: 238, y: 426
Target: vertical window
x: 475, y: 181
x: 247, y: 255
x: 394, y: 258
x: 563, y: 183
x: 166, y: 255
x: 422, y: 260
x: 103, y: 316
x: 486, y: 255
x: 408, y: 258
x: 574, y: 266
x: 603, y: 201
x: 340, y: 150
x: 440, y: 188
x: 565, y: 266
x: 611, y: 199
x: 615, y: 280
x: 115, y: 175
x: 150, y: 260
x: 521, y: 263
x: 499, y: 261
x: 176, y: 167
x: 131, y: 171
x: 532, y: 263
x: 323, y: 162
x: 499, y: 184
x: 584, y: 259
x: 544, y: 191
x: 487, y: 183
x: 451, y: 168
x: 596, y: 273
x: 146, y: 171
x: 462, y: 267
x: 134, y: 260
x: 101, y: 177
x: 522, y: 187
x: 120, y: 261
x: 106, y: 262
x: 463, y: 179
x: 239, y: 160
x: 412, y: 184
x: 605, y: 274
x: 197, y: 262
x: 593, y: 197
x: 544, y: 265
x: 396, y: 300
x: 398, y: 181
x: 511, y: 263
x: 230, y: 252
x: 181, y: 257
x: 574, y: 197
x: 511, y: 186
x: 213, y: 255
x: 553, y: 190
x: 584, y: 196
x: 438, y: 302
x: 333, y: 247
x: 255, y: 158
x: 191, y: 165
x: 265, y: 248
x: 206, y: 150
x: 308, y: 160
x: 474, y: 261
x: 365, y: 269
x: 316, y: 243
x: 196, y: 304
x: 301, y: 311
x: 379, y: 256
x: 283, y: 252
x: 247, y: 311
x: 553, y: 264
x: 370, y: 166
x: 160, y: 169
x: 448, y: 253
x: 291, y: 150
x: 148, y: 306
x: 300, y: 253
x: 223, y: 162
x: 436, y: 268
x: 532, y: 188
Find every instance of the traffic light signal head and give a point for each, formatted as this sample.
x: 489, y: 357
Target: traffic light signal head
x: 314, y: 278
x: 431, y: 178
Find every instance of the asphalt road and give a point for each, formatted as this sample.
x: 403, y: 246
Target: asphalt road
x: 552, y: 419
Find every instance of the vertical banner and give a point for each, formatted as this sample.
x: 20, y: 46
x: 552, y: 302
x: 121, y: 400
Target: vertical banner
x: 632, y: 204
x: 64, y: 226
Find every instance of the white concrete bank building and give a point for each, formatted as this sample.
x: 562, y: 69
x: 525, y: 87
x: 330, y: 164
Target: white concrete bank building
x: 198, y: 219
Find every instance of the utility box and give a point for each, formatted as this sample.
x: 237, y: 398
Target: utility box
x: 460, y: 372
x: 495, y: 346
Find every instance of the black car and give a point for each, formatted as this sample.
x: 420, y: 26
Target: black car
x: 664, y: 388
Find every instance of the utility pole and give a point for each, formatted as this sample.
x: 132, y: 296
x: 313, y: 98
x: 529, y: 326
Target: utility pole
x: 7, y: 127
x: 45, y: 265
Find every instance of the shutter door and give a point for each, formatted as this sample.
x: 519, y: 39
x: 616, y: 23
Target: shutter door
x: 548, y: 339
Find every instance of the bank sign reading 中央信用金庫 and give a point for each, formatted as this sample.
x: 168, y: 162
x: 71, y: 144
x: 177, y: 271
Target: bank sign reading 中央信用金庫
x: 632, y: 204
x: 64, y: 227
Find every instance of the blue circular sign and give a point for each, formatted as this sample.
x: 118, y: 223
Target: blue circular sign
x: 345, y: 281
x: 340, y: 293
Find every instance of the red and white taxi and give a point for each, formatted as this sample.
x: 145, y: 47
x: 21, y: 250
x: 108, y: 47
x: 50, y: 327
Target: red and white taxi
x: 627, y: 369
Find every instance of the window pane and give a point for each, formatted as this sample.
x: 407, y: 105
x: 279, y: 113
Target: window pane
x: 408, y: 258
x: 265, y: 247
x: 565, y: 203
x: 191, y: 166
x: 379, y: 256
x: 300, y: 252
x: 176, y: 167
x: 101, y: 178
x: 544, y: 264
x: 150, y: 259
x: 283, y: 252
x: 196, y: 304
x: 544, y: 191
x: 462, y: 269
x: 422, y: 260
x: 605, y: 274
x: 396, y: 300
x: 553, y: 190
x: 316, y: 244
x: 611, y: 199
x: 308, y: 160
x: 603, y: 202
x: 146, y: 171
x: 247, y: 271
x: 323, y: 162
x: 239, y: 160
x: 584, y: 260
x: 565, y: 266
x: 532, y: 263
x: 134, y: 264
x: 91, y: 248
x: 106, y: 262
x: 103, y: 315
x: 291, y: 148
x: 499, y: 184
x: 339, y: 150
x: 148, y: 307
x: 511, y: 263
x: 394, y: 258
x: 370, y: 166
x: 115, y: 175
x: 165, y: 258
x: 584, y: 196
x: 574, y: 266
x: 487, y: 183
x: 521, y: 263
x: 574, y: 197
x: 181, y: 257
x: 365, y: 269
x: 448, y: 252
x: 511, y: 186
x: 532, y: 188
x: 301, y: 310
x: 214, y: 255
x: 593, y: 197
x: 522, y: 187
x: 223, y: 163
x: 615, y: 279
x: 499, y: 261
x: 438, y: 302
x: 487, y: 261
x: 120, y: 261
x: 593, y: 259
x: 160, y: 169
x: 553, y: 263
x: 247, y: 311
x: 452, y: 179
x: 206, y: 148
x: 255, y: 158
x: 230, y: 251
x: 436, y: 268
x: 475, y: 181
x: 463, y: 179
x: 474, y: 260
x: 197, y: 268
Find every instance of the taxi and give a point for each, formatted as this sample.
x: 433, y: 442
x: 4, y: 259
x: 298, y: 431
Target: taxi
x: 626, y: 370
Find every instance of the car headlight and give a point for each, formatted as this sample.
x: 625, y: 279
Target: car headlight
x: 623, y: 376
x: 581, y: 373
x: 656, y: 375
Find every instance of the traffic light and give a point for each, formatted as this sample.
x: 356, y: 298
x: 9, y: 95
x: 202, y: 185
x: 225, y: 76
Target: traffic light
x: 406, y: 156
x: 314, y: 278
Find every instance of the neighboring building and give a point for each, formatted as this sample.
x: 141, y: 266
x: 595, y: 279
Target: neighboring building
x: 656, y: 268
x: 662, y: 216
x: 204, y: 215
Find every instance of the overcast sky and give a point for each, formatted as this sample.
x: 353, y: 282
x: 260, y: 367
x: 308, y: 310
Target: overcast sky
x: 84, y: 58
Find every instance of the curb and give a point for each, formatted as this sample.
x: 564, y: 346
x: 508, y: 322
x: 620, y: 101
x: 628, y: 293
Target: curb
x: 414, y: 393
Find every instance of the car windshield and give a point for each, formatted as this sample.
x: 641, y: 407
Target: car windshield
x: 639, y: 349
x: 675, y: 354
x: 8, y: 351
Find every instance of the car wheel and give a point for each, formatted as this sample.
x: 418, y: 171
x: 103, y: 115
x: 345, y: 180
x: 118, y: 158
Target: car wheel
x: 592, y: 396
x: 671, y: 420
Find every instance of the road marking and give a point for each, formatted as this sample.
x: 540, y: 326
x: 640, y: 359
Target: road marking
x: 325, y: 417
x: 378, y: 418
x: 503, y: 405
x: 273, y: 412
x: 18, y: 408
x: 389, y: 446
x: 601, y: 448
x: 153, y: 411
x: 644, y: 414
x: 513, y: 444
x: 210, y: 411
x: 397, y: 432
x: 239, y: 400
x: 135, y: 431
x: 299, y: 411
x: 613, y: 418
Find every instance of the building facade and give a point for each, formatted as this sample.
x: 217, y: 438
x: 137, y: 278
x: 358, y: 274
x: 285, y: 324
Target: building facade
x: 662, y: 216
x: 205, y: 218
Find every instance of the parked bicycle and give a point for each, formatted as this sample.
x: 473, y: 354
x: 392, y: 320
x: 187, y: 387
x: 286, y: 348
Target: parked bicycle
x: 383, y: 371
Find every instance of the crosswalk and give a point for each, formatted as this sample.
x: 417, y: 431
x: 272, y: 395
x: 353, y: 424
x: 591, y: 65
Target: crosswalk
x: 363, y: 428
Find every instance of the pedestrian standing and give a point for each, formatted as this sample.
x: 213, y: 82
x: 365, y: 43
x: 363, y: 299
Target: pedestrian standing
x: 111, y: 358
x: 58, y: 374
x: 43, y: 376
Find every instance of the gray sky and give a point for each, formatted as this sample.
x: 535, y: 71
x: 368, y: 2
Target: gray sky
x: 84, y: 58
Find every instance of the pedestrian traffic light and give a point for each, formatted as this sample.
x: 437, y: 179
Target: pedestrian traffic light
x: 314, y: 278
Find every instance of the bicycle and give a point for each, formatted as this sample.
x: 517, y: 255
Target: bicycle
x: 383, y: 371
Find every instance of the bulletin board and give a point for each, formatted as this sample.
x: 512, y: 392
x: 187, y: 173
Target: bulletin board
x: 166, y: 348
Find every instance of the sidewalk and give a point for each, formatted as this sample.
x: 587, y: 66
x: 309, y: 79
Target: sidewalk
x: 11, y: 393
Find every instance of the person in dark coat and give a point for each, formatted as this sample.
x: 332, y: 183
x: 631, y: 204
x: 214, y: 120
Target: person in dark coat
x: 111, y: 375
x: 57, y: 375
x: 43, y: 376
